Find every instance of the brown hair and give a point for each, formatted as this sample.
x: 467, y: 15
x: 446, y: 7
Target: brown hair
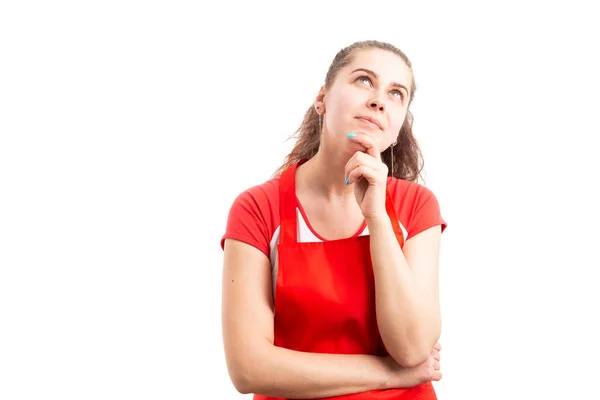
x: 408, y: 161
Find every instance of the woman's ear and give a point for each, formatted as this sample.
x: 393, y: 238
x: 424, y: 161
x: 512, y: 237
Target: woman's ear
x: 319, y: 103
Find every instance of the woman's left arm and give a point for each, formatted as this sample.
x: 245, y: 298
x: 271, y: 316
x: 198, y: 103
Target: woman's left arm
x: 406, y: 291
x: 406, y: 280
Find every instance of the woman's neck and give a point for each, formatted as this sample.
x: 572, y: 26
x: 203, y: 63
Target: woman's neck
x: 323, y: 175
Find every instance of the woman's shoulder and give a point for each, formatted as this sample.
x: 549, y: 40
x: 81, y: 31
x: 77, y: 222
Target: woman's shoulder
x: 262, y: 194
x: 403, y: 190
x: 416, y: 205
x: 254, y: 215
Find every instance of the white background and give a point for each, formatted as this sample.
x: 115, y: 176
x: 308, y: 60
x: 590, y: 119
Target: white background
x: 128, y: 128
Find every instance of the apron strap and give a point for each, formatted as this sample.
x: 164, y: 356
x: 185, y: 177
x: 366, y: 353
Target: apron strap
x: 287, y: 207
x: 288, y: 216
x: 389, y: 207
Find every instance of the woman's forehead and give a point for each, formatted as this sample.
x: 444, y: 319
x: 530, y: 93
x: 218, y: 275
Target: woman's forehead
x: 386, y: 65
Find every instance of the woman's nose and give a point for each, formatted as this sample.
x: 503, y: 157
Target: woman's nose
x: 377, y: 105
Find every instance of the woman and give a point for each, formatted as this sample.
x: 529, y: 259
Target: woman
x: 330, y: 281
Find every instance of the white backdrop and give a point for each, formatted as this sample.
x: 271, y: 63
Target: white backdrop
x: 128, y: 128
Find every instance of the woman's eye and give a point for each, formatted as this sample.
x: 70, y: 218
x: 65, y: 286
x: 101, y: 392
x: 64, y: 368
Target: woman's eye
x: 364, y: 79
x: 398, y: 93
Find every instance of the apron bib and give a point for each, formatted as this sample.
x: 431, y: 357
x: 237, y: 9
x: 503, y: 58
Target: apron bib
x: 325, y: 295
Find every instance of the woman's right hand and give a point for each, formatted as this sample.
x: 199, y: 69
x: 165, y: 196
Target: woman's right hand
x: 401, y: 377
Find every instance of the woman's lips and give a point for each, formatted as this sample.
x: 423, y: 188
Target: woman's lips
x: 369, y: 122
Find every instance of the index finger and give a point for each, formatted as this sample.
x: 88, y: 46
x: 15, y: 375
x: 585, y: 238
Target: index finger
x: 367, y: 142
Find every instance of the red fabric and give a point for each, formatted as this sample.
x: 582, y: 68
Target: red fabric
x: 254, y: 214
x: 325, y: 295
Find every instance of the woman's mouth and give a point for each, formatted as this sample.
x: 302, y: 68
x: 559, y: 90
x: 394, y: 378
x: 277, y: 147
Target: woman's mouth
x: 373, y: 123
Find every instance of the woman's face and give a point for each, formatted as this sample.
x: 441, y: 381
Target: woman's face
x: 370, y: 95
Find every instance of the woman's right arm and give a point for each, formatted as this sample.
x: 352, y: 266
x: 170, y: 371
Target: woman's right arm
x: 255, y: 365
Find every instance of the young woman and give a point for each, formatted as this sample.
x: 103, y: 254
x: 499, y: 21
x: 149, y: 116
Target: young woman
x: 330, y: 280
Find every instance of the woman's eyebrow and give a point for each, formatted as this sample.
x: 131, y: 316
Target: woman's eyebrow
x: 368, y: 71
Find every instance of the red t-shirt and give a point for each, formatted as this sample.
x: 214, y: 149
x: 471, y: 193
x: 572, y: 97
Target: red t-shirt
x: 254, y: 215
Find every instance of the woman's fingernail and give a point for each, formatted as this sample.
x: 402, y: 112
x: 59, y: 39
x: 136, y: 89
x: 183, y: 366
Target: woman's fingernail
x: 346, y: 179
x: 351, y: 135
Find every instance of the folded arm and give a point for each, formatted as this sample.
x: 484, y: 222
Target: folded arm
x: 255, y: 365
x: 406, y: 290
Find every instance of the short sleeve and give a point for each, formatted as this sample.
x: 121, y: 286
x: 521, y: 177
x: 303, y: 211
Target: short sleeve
x: 249, y: 220
x: 427, y: 213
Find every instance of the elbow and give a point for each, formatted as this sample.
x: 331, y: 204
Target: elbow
x: 240, y: 375
x: 412, y: 359
x: 241, y: 384
x: 241, y: 380
x: 247, y: 371
x: 243, y: 376
x: 411, y: 356
x: 412, y: 353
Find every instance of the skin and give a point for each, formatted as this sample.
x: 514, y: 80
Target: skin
x: 405, y: 279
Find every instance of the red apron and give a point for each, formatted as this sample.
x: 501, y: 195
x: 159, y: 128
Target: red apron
x: 325, y: 295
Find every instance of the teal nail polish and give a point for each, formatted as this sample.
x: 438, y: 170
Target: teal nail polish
x: 351, y: 135
x: 346, y: 179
